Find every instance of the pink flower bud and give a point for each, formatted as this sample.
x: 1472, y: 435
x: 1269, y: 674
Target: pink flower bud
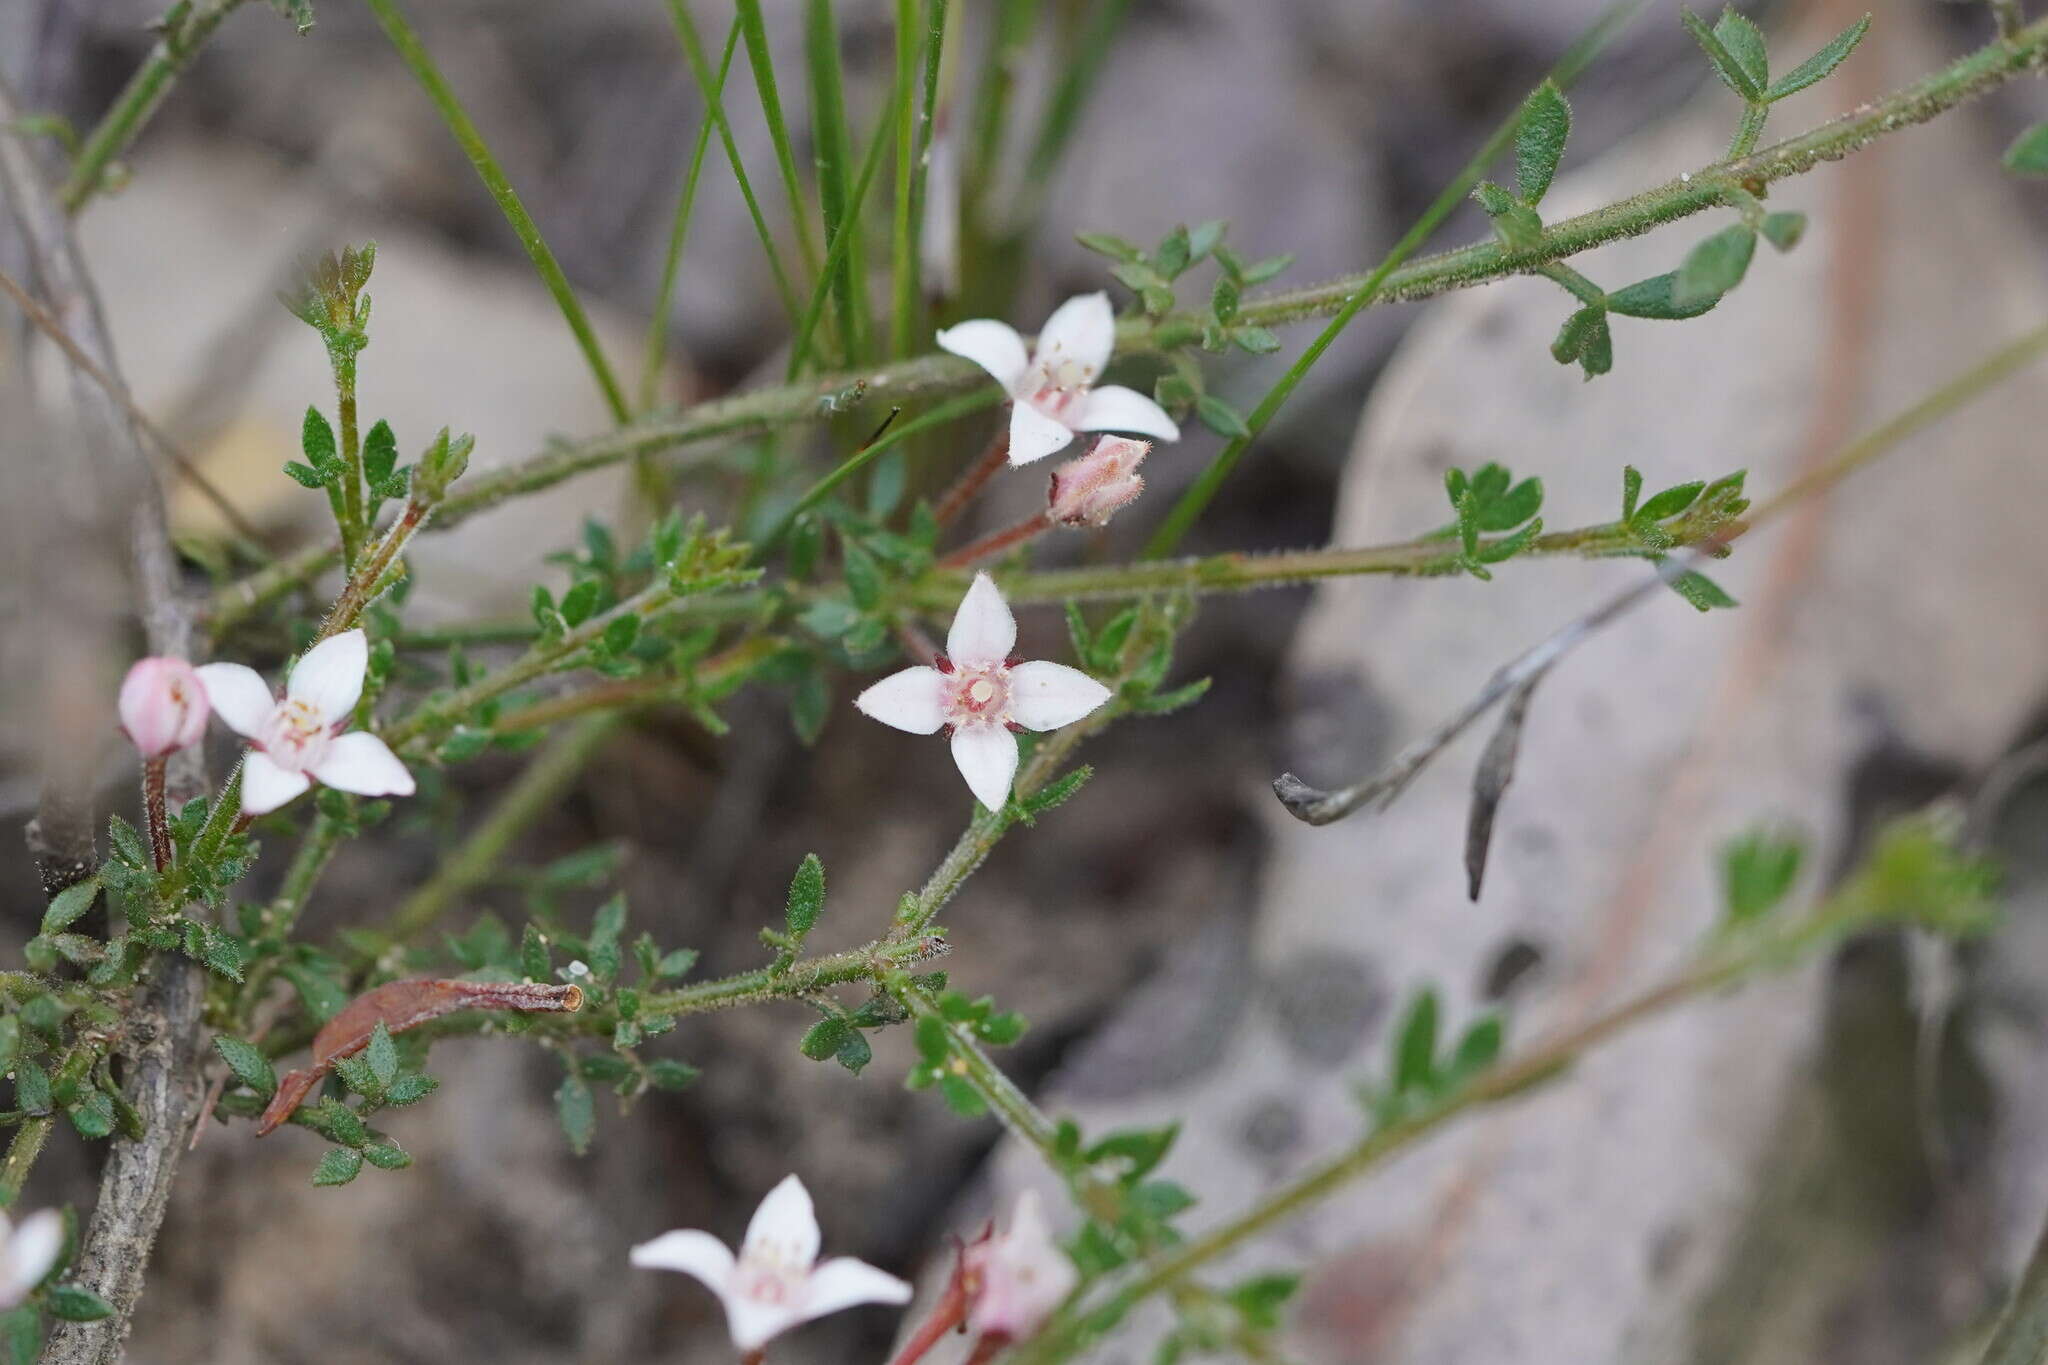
x: 163, y: 706
x: 1088, y: 491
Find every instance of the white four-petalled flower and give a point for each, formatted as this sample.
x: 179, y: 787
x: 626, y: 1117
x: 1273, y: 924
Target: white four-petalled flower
x: 27, y: 1253
x: 298, y: 739
x: 776, y: 1282
x: 1053, y: 389
x: 978, y: 693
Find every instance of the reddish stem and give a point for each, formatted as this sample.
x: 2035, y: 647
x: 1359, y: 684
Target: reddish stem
x: 916, y: 643
x: 988, y: 1348
x: 948, y: 1314
x: 155, y: 810
x: 1037, y: 524
x: 992, y: 460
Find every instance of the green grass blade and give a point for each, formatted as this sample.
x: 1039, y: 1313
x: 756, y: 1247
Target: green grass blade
x: 714, y: 100
x: 679, y: 231
x: 1199, y: 495
x: 832, y: 149
x: 846, y: 241
x: 414, y: 54
x: 906, y: 293
x: 1009, y: 36
x: 1081, y: 68
x: 763, y: 62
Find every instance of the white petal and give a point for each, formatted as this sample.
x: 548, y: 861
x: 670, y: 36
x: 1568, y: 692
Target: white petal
x: 694, y: 1253
x: 239, y: 696
x: 1033, y: 435
x: 265, y: 786
x: 843, y: 1282
x: 30, y: 1252
x: 1081, y: 330
x: 330, y: 677
x: 987, y: 755
x: 1116, y: 408
x: 364, y: 764
x: 995, y: 346
x: 908, y: 700
x: 784, y: 1230
x: 983, y: 630
x: 1045, y: 696
x: 754, y: 1323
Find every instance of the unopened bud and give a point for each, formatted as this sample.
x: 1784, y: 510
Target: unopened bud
x: 163, y: 706
x: 1088, y: 491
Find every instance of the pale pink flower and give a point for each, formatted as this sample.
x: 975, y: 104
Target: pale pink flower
x: 1053, y: 389
x: 163, y: 706
x: 980, y: 695
x: 298, y: 739
x: 1090, y: 490
x: 27, y: 1253
x: 1017, y: 1277
x: 776, y: 1282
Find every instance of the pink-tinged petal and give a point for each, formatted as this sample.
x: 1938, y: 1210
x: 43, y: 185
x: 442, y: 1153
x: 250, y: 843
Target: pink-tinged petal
x: 239, y: 696
x: 363, y: 764
x: 784, y: 1230
x: 1023, y: 1276
x: 843, y: 1282
x: 995, y: 346
x: 987, y: 757
x: 693, y: 1253
x: 330, y: 676
x: 1116, y: 408
x: 163, y: 706
x: 1080, y: 332
x: 1033, y: 435
x: 983, y: 632
x: 265, y: 786
x: 31, y: 1251
x: 753, y: 1323
x: 910, y: 700
x: 1045, y: 696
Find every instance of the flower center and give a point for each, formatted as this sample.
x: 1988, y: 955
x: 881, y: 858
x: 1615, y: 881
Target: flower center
x: 297, y: 736
x: 978, y: 696
x: 770, y: 1284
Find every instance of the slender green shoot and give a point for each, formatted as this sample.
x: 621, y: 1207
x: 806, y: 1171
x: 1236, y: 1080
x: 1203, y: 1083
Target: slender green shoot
x: 832, y: 147
x: 415, y: 56
x: 763, y: 61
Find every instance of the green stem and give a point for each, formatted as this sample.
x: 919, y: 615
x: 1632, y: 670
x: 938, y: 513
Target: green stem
x: 1203, y: 491
x: 679, y: 227
x: 763, y: 62
x: 465, y: 132
x: 1749, y: 130
x: 828, y: 396
x: 138, y: 100
x: 801, y: 978
x: 1573, y: 283
x: 707, y: 682
x: 973, y: 1065
x: 538, y: 790
x: 22, y: 1151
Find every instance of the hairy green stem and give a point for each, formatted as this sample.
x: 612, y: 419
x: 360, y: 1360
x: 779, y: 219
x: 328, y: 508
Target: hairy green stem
x: 828, y: 396
x: 138, y: 100
x: 802, y: 977
x: 437, y: 89
x: 22, y: 1151
x: 978, y: 1069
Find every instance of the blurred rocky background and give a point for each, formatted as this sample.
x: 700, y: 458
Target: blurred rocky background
x: 1755, y: 1181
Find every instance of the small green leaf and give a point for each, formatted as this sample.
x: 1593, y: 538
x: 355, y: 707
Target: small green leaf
x: 382, y: 1054
x: 248, y: 1064
x: 338, y: 1167
x: 1783, y: 230
x: 1260, y: 271
x: 580, y: 601
x: 1817, y: 66
x: 824, y: 1038
x: 577, y: 1112
x: 1477, y: 1050
x: 1631, y: 489
x: 1224, y: 298
x: 1546, y: 123
x: 806, y: 896
x: 1714, y: 267
x: 1702, y: 591
x: 1653, y: 298
x: 1110, y: 245
x: 962, y: 1098
x: 1670, y: 502
x: 387, y: 1156
x: 306, y: 475
x: 1260, y: 1299
x: 1757, y: 872
x: 2028, y: 154
x: 127, y: 844
x: 74, y: 1303
x: 1255, y: 340
x: 534, y: 961
x: 1174, y: 253
x: 1744, y: 42
x: 666, y: 1074
x: 1203, y: 238
x: 855, y: 1053
x: 1220, y: 417
x: 1415, y: 1044
x: 410, y: 1088
x: 1577, y: 330
x: 69, y: 905
x: 316, y: 438
x: 92, y: 1116
x: 1732, y: 73
x: 380, y: 452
